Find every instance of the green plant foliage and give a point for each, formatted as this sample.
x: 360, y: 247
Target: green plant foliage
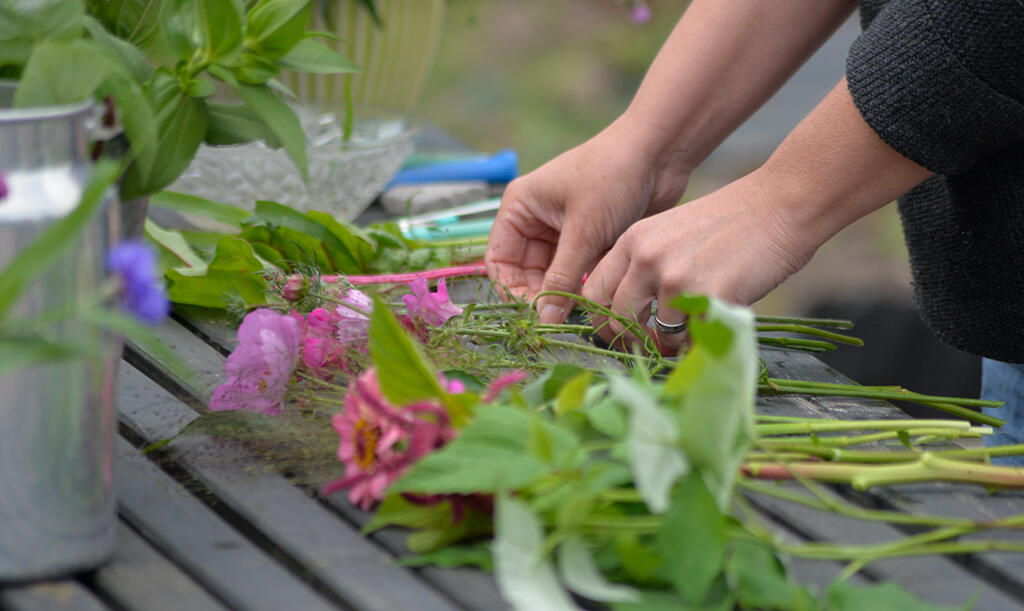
x: 404, y: 373
x: 233, y: 271
x: 692, y: 539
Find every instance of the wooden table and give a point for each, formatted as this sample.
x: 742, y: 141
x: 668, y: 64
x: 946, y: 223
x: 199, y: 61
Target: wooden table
x: 197, y: 529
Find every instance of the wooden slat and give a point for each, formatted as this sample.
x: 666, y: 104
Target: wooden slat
x: 203, y: 544
x: 51, y: 596
x: 297, y: 525
x: 140, y: 577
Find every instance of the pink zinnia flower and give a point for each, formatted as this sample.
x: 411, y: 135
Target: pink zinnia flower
x: 259, y: 369
x: 434, y: 308
x: 379, y: 441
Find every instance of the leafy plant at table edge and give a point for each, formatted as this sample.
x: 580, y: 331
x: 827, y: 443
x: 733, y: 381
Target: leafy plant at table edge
x: 222, y: 270
x: 618, y: 489
x: 156, y: 59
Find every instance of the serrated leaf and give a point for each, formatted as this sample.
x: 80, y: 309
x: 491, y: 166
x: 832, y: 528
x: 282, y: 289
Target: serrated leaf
x: 234, y: 269
x: 581, y: 575
x: 57, y: 239
x: 692, y: 539
x: 526, y: 579
x: 316, y: 58
x: 652, y: 438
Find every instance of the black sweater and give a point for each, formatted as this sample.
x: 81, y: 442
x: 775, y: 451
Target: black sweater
x: 942, y: 82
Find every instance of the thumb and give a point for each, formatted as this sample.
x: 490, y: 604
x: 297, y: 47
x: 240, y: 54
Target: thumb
x: 565, y: 274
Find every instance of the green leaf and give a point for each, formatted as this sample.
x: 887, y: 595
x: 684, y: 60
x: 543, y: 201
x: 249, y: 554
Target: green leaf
x: 358, y: 246
x: 492, y: 453
x: 759, y: 579
x: 279, y: 118
x: 478, y: 555
x: 396, y: 510
x: 844, y: 596
x: 126, y: 54
x: 654, y: 454
x: 713, y: 389
x: 181, y: 121
x: 692, y: 539
x: 404, y: 373
x: 287, y: 247
x: 581, y: 575
x: 315, y: 57
x: 275, y: 26
x: 173, y: 249
x: 57, y: 239
x: 19, y: 352
x: 570, y: 397
x: 234, y: 269
x: 236, y: 123
x: 192, y: 204
x: 546, y: 387
x: 342, y: 259
x: 221, y: 27
x: 526, y: 579
x: 23, y: 25
x: 134, y: 21
x: 136, y: 116
x: 62, y: 73
x: 140, y: 335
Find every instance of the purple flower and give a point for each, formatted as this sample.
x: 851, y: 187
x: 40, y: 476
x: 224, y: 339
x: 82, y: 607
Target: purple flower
x: 3, y: 186
x: 434, y: 308
x: 142, y: 293
x: 259, y: 369
x: 640, y: 14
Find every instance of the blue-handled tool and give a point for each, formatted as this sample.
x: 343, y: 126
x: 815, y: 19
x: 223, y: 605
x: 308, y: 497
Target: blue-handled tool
x: 503, y: 166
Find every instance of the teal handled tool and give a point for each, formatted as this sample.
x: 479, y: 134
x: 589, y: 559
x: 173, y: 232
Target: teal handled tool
x: 451, y: 223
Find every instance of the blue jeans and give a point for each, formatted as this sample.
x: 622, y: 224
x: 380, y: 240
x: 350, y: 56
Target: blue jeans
x: 1004, y: 382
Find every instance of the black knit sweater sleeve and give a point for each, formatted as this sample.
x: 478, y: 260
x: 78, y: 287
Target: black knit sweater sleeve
x: 942, y: 81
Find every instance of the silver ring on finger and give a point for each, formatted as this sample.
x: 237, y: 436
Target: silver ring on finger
x: 670, y: 328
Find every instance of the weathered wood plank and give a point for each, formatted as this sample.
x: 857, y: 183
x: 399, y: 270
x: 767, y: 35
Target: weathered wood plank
x: 51, y: 596
x: 203, y: 544
x: 140, y: 577
x: 301, y: 527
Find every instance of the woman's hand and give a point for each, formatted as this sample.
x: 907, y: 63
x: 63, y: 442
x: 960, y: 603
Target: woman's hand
x: 732, y: 244
x: 555, y: 222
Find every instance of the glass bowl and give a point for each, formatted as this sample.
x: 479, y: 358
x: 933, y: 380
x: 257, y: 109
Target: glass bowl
x: 344, y: 176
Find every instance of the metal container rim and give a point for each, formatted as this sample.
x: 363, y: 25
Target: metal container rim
x: 36, y: 113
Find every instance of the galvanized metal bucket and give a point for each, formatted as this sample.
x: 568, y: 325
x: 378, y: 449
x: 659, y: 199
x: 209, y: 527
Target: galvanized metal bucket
x: 57, y: 422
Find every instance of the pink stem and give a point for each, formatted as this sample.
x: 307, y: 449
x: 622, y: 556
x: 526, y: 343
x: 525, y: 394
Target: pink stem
x: 428, y: 274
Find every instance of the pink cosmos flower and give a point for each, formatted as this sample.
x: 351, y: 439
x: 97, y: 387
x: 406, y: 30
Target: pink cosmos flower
x: 353, y: 321
x: 434, y: 308
x: 259, y: 369
x: 379, y: 441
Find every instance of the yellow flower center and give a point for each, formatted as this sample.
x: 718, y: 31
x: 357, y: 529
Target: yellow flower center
x: 365, y: 442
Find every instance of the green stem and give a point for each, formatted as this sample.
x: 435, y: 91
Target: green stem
x: 805, y: 330
x: 825, y: 426
x: 817, y: 322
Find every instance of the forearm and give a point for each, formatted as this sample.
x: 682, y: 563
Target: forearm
x: 723, y: 60
x: 831, y: 170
